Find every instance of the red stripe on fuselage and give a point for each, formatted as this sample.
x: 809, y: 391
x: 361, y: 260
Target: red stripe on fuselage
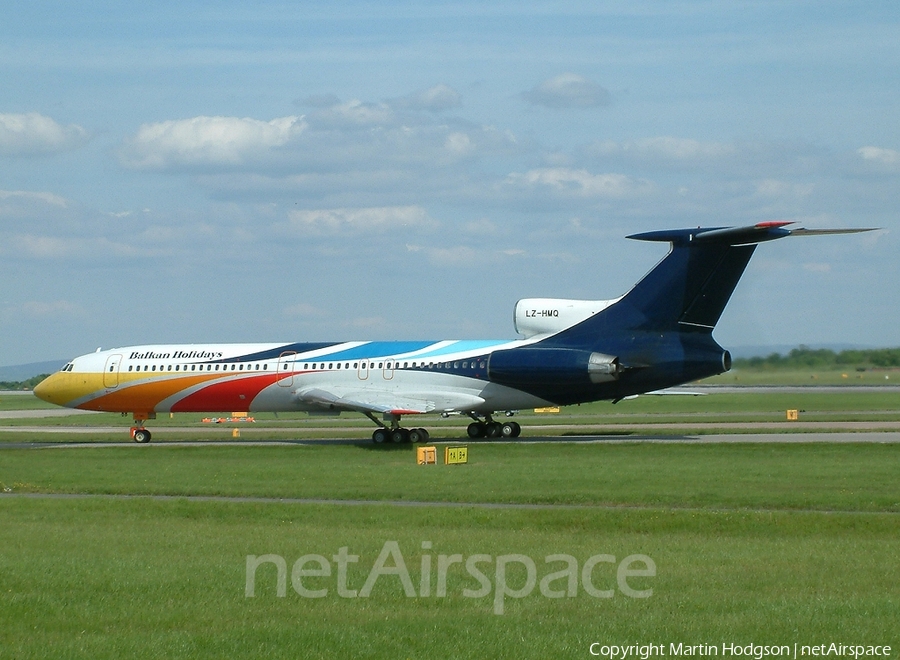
x: 232, y: 395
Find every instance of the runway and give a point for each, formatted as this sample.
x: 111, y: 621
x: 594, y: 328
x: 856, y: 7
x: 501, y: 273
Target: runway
x: 892, y: 437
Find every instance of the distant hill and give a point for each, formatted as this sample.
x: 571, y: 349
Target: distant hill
x: 21, y: 372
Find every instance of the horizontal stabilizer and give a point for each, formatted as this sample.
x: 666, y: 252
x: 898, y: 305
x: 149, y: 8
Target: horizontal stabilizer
x: 758, y: 233
x: 827, y: 232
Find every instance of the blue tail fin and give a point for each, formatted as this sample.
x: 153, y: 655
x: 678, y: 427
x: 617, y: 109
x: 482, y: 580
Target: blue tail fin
x: 686, y: 292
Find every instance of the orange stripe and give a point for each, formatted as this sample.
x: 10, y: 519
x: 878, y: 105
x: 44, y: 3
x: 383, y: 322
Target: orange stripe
x: 145, y: 396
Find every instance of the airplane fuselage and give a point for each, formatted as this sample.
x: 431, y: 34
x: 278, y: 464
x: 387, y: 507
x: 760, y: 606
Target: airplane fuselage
x: 657, y: 335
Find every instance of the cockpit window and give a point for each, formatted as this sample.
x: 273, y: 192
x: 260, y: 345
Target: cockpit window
x: 68, y: 367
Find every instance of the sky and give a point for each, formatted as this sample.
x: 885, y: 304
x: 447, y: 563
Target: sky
x: 320, y: 171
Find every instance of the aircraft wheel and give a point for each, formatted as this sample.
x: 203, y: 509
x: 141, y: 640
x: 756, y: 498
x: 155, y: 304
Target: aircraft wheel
x: 400, y: 435
x: 510, y: 430
x: 142, y: 436
x: 475, y: 430
x: 380, y: 436
x: 494, y: 430
x: 418, y: 435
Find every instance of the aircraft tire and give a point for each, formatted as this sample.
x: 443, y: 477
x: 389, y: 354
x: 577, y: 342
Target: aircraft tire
x: 418, y: 435
x: 142, y: 436
x: 494, y: 430
x: 400, y: 435
x: 476, y: 430
x: 510, y: 430
x: 380, y: 436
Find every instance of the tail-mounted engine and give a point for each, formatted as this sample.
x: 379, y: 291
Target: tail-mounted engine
x: 528, y: 367
x: 545, y: 316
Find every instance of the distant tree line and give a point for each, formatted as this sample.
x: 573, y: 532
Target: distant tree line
x: 804, y: 357
x: 22, y: 384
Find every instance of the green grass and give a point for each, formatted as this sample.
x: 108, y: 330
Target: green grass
x: 111, y: 579
x: 753, y: 543
x: 756, y: 476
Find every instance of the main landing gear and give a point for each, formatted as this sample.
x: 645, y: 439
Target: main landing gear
x: 488, y: 428
x: 395, y: 433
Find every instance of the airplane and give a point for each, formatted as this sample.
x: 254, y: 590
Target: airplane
x: 656, y: 336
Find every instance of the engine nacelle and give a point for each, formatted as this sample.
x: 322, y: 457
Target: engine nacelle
x: 528, y: 367
x: 545, y: 316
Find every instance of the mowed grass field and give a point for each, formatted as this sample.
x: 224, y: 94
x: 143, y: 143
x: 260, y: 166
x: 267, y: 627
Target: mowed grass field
x: 107, y: 552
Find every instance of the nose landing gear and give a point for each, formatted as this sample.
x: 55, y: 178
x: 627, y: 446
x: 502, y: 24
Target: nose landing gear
x: 138, y: 433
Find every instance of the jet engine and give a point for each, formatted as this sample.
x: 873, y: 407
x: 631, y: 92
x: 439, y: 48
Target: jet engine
x: 526, y: 367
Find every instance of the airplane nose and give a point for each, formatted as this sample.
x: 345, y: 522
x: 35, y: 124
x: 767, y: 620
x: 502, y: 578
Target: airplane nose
x: 46, y: 389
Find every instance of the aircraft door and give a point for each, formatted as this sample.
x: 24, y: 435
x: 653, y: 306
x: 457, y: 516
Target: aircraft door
x: 111, y: 371
x: 362, y: 372
x: 388, y: 371
x: 286, y: 367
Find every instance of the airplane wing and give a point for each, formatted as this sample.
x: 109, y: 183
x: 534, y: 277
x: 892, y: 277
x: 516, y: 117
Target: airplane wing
x: 382, y: 401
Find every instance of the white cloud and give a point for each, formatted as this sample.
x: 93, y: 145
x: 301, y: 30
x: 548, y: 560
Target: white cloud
x: 54, y: 247
x: 886, y: 156
x: 34, y: 134
x: 666, y: 148
x: 358, y: 220
x: 435, y: 99
x: 568, y: 182
x: 205, y: 140
x: 353, y: 114
x: 459, y: 144
x: 568, y: 90
x: 28, y: 197
x: 462, y: 255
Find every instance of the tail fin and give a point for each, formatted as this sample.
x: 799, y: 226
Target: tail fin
x: 687, y: 291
